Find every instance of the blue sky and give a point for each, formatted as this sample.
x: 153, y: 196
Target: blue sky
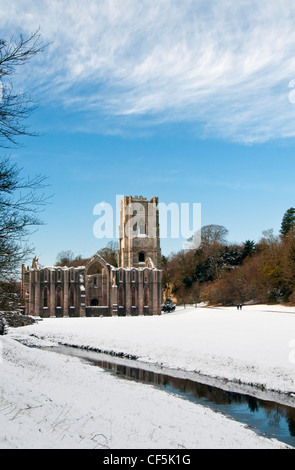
x: 188, y: 101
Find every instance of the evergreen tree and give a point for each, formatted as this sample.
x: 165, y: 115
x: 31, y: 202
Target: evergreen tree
x: 249, y: 248
x: 288, y: 222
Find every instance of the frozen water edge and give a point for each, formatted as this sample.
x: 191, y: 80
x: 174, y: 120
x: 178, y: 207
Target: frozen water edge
x: 122, y: 358
x: 51, y: 401
x: 250, y: 346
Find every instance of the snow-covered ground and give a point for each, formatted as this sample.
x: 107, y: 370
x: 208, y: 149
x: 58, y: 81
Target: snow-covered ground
x: 50, y: 400
x: 254, y: 346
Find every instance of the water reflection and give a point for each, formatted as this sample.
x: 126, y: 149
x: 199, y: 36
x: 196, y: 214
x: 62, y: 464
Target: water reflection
x: 269, y: 418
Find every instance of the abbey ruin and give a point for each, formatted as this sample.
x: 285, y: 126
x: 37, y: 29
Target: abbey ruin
x: 92, y: 287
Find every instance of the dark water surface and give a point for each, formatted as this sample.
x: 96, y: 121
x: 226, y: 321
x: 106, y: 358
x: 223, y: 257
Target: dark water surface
x: 265, y: 416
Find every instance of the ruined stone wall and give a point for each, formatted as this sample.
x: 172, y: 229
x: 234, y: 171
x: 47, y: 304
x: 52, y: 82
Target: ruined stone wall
x: 65, y: 292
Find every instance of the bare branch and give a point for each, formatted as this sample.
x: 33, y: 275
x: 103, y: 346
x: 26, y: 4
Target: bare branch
x: 15, y: 108
x: 20, y: 199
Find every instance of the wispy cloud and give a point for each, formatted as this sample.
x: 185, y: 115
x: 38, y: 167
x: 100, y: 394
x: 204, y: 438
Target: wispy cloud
x: 222, y: 66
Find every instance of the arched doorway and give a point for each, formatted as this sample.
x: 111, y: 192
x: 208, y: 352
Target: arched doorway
x: 97, y: 288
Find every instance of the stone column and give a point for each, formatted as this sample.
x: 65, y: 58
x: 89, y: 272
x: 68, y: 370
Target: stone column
x: 160, y: 293
x: 66, y: 293
x: 113, y: 304
x: 160, y: 297
x: 31, y: 293
x: 37, y: 293
x: 82, y: 294
x: 155, y: 293
x: 140, y: 293
x: 114, y: 300
x: 128, y: 294
x: 106, y: 289
x: 52, y: 293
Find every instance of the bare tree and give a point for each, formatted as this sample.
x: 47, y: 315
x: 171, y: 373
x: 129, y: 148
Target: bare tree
x: 15, y: 107
x: 110, y: 253
x: 214, y: 234
x: 20, y: 205
x: 66, y: 257
x: 20, y: 199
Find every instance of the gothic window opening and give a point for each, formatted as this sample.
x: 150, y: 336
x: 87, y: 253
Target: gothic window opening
x: 141, y: 257
x: 133, y: 296
x: 32, y: 297
x: 94, y: 269
x: 94, y: 303
x: 72, y: 297
x: 59, y: 297
x: 45, y: 298
x: 121, y: 297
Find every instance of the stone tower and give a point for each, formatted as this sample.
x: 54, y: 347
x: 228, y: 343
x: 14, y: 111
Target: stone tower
x: 139, y: 235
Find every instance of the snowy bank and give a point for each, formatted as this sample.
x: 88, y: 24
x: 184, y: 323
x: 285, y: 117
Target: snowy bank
x: 253, y: 346
x: 51, y: 401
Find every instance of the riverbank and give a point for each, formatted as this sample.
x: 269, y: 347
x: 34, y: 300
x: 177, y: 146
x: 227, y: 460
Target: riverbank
x: 254, y: 346
x: 48, y: 400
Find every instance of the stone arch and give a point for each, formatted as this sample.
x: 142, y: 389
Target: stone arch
x: 97, y: 285
x: 94, y: 269
x: 72, y: 297
x: 121, y: 275
x: 96, y: 265
x: 121, y: 296
x: 45, y: 296
x: 58, y: 297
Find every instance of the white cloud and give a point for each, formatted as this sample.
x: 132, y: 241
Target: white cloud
x: 226, y: 65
